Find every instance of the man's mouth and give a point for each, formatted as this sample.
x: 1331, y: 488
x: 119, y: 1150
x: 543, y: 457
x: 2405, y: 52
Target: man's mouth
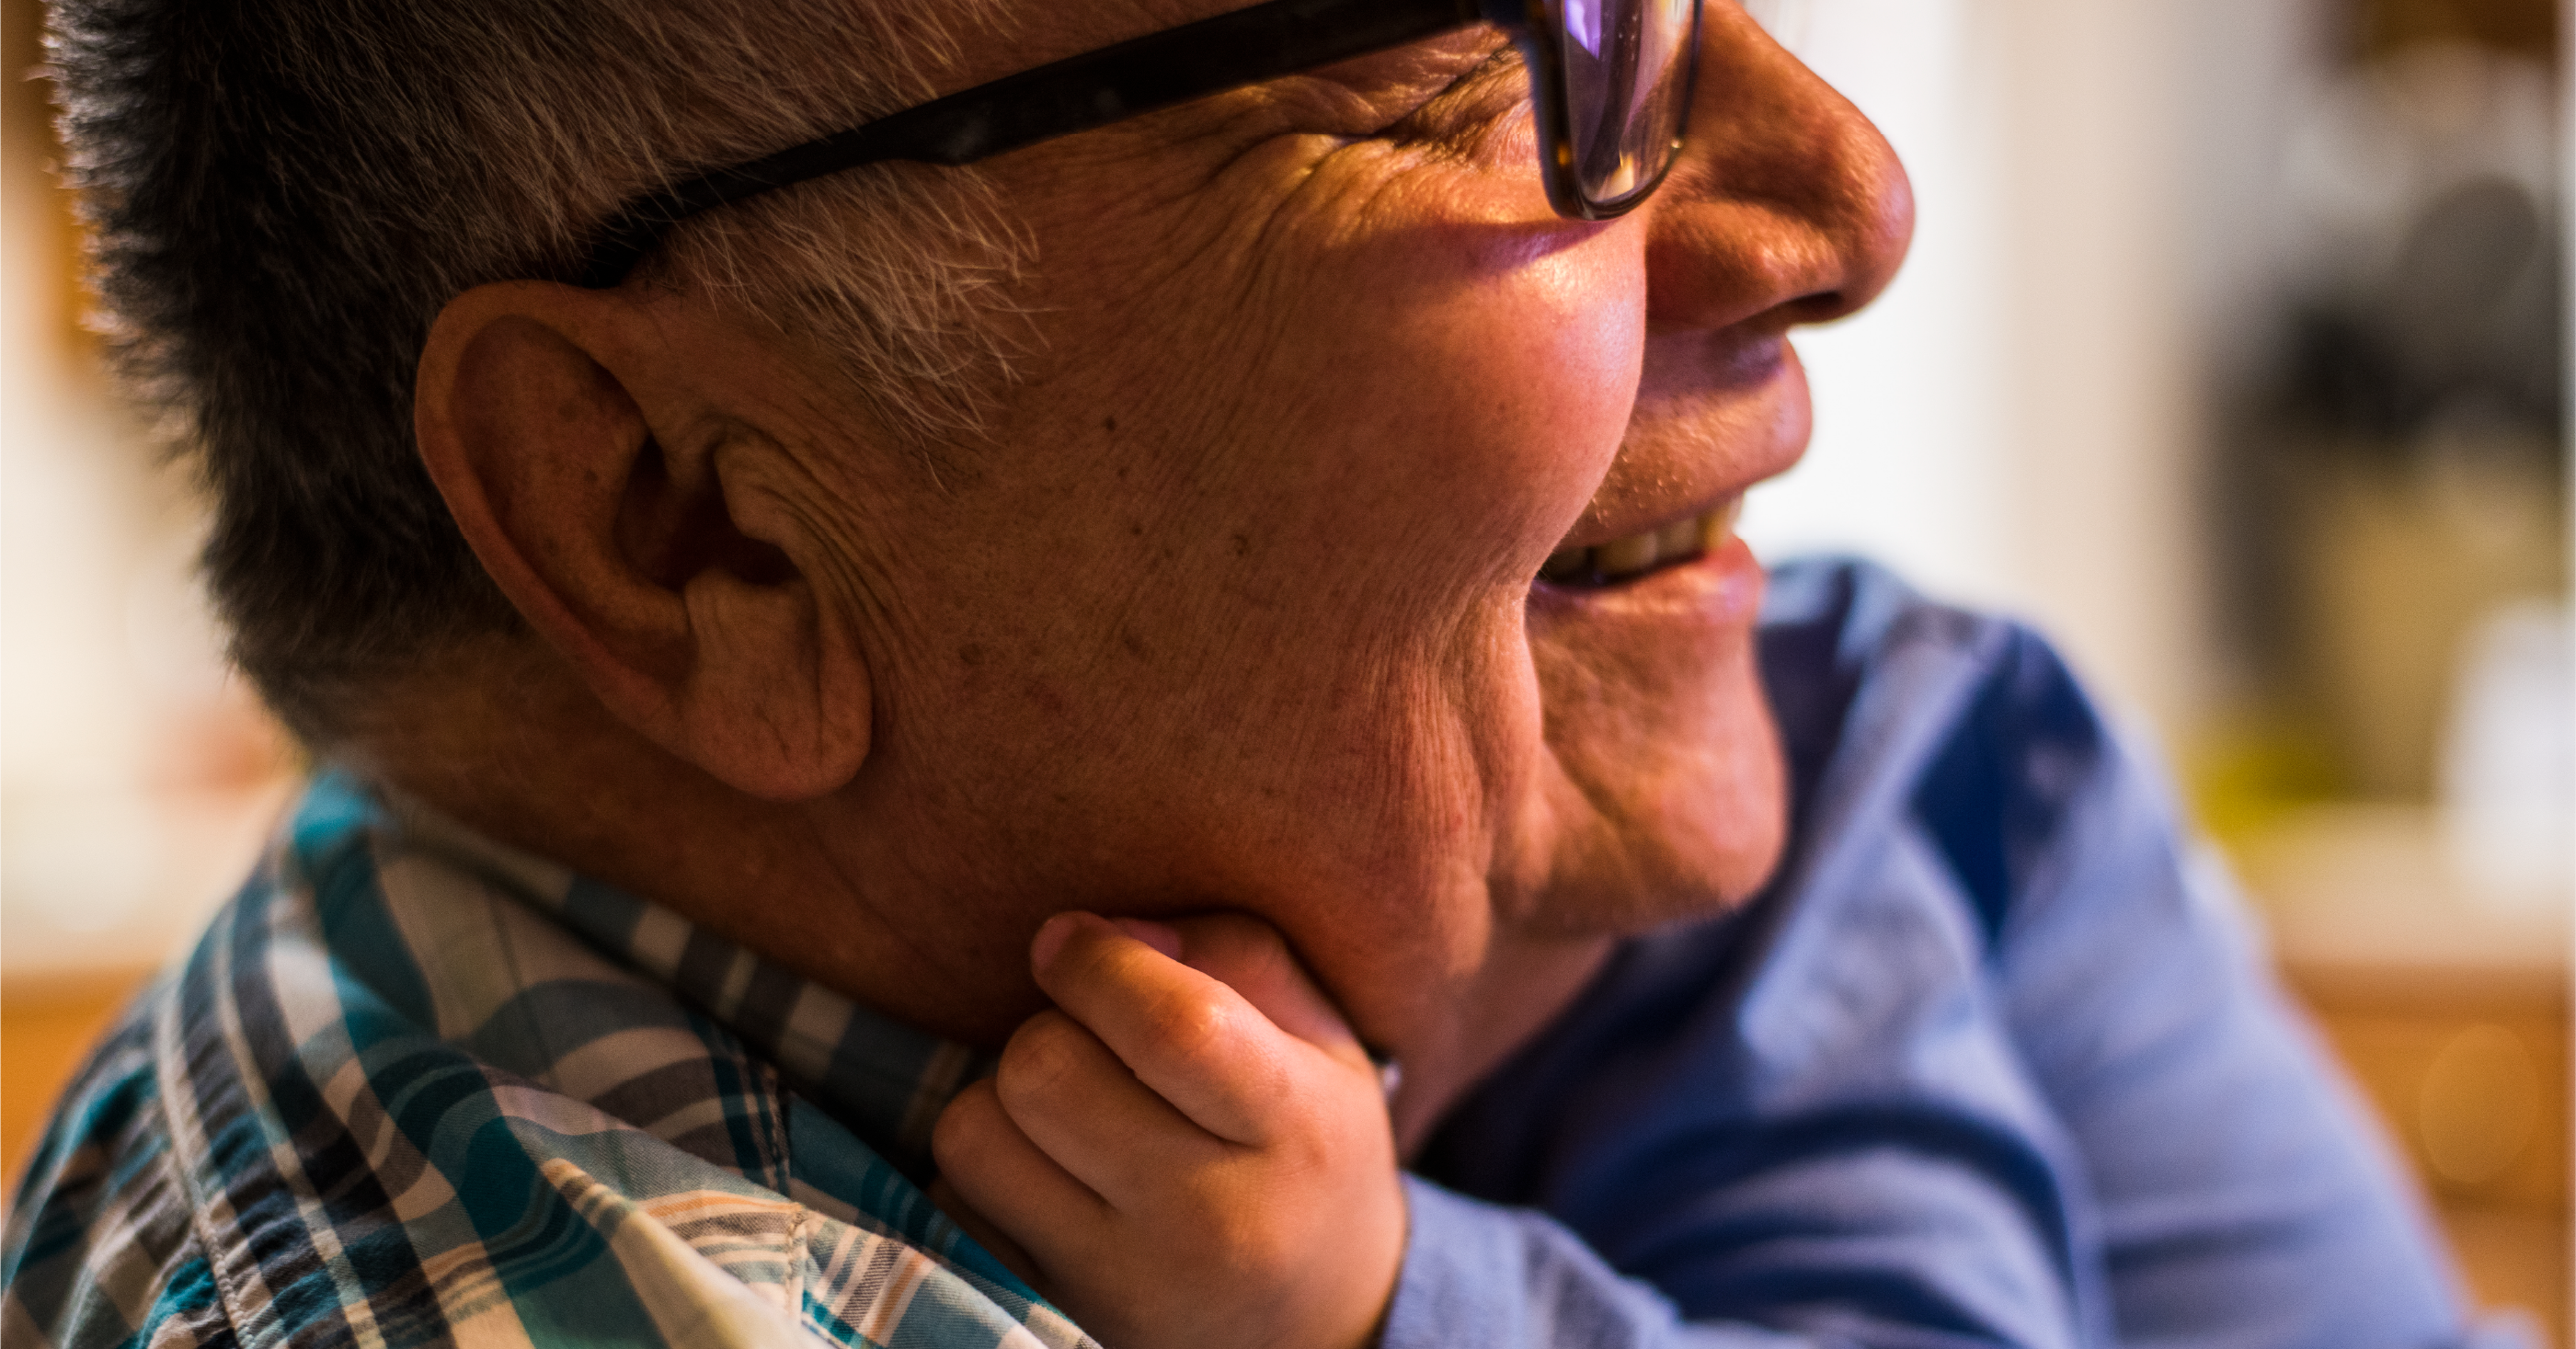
x: 1626, y: 559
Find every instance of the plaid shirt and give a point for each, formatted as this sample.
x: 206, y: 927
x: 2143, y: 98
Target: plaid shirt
x: 415, y: 1088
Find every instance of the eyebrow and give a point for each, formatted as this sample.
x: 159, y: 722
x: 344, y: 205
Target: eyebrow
x: 1209, y: 56
x: 1497, y: 64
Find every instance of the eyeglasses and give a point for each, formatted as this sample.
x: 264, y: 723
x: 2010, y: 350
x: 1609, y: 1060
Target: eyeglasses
x: 1610, y: 82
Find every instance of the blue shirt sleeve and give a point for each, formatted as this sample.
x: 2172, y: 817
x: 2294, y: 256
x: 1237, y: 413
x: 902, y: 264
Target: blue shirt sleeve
x: 1993, y: 1062
x: 2240, y: 1195
x: 1478, y: 1274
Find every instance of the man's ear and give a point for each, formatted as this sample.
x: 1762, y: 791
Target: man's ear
x: 648, y: 527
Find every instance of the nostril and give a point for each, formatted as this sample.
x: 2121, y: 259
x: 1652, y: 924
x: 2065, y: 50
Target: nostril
x: 1822, y: 307
x: 1792, y: 210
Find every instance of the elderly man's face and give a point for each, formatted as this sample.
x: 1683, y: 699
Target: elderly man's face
x: 1238, y: 610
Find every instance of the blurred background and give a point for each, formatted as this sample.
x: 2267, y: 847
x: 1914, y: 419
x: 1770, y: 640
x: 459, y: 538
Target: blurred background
x: 2233, y: 351
x: 137, y: 777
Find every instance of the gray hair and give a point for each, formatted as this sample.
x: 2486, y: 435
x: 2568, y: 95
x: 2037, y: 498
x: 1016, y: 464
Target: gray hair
x: 284, y: 193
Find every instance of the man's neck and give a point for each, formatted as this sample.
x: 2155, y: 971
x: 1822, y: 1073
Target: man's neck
x: 506, y: 741
x: 503, y: 739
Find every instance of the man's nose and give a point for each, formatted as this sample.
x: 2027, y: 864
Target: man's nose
x: 1786, y: 207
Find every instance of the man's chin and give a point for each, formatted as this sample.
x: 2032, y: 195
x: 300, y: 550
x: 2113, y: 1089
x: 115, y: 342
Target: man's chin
x: 1694, y: 840
x: 1666, y: 791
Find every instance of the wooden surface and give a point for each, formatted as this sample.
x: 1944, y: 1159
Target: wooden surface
x: 46, y: 1028
x: 2448, y: 1002
x: 2472, y: 1084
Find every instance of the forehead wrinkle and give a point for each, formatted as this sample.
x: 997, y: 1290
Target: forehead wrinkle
x: 1345, y: 101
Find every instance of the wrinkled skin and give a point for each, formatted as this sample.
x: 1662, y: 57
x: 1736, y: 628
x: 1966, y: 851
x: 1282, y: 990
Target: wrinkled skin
x: 1235, y: 612
x: 1258, y: 623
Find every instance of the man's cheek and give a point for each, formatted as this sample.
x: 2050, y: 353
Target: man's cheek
x: 1547, y: 361
x: 1517, y: 352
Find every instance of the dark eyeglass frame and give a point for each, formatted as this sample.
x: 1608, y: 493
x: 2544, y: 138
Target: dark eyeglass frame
x: 1229, y: 51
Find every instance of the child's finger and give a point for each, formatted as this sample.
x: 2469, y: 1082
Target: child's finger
x: 950, y: 1200
x: 1190, y: 1039
x: 1007, y: 1179
x: 1249, y: 956
x: 1082, y: 1107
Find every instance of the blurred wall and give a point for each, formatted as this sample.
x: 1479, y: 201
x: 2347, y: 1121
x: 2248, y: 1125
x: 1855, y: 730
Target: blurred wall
x: 135, y: 772
x: 2015, y: 424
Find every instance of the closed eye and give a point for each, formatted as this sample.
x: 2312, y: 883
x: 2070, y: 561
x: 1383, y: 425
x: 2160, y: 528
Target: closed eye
x: 1459, y: 114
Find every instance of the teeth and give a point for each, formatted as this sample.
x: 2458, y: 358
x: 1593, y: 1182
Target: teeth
x: 1620, y: 559
x: 1718, y: 525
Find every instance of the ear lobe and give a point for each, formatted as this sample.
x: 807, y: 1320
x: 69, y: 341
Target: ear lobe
x: 594, y: 459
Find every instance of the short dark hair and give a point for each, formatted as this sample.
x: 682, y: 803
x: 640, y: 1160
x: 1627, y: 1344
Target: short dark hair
x: 284, y: 193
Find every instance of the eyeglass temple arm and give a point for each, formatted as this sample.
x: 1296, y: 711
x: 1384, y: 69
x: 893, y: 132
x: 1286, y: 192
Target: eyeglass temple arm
x: 1077, y: 94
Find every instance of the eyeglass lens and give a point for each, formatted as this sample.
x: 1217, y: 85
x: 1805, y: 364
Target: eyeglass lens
x: 1626, y: 78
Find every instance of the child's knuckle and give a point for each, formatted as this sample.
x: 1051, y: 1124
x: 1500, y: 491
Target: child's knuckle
x: 967, y: 1127
x: 1043, y: 1053
x: 1191, y: 1026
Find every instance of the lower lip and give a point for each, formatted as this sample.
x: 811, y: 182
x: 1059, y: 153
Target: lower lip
x: 1723, y: 584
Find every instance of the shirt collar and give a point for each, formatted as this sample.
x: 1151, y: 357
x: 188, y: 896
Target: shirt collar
x: 887, y: 1082
x: 416, y: 1083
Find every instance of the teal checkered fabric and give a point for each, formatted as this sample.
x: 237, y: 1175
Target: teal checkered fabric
x: 415, y: 1088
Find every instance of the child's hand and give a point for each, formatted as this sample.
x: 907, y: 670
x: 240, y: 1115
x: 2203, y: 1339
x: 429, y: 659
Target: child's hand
x: 1192, y: 1155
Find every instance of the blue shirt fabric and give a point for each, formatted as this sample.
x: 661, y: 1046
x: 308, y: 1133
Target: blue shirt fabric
x: 1992, y: 1061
